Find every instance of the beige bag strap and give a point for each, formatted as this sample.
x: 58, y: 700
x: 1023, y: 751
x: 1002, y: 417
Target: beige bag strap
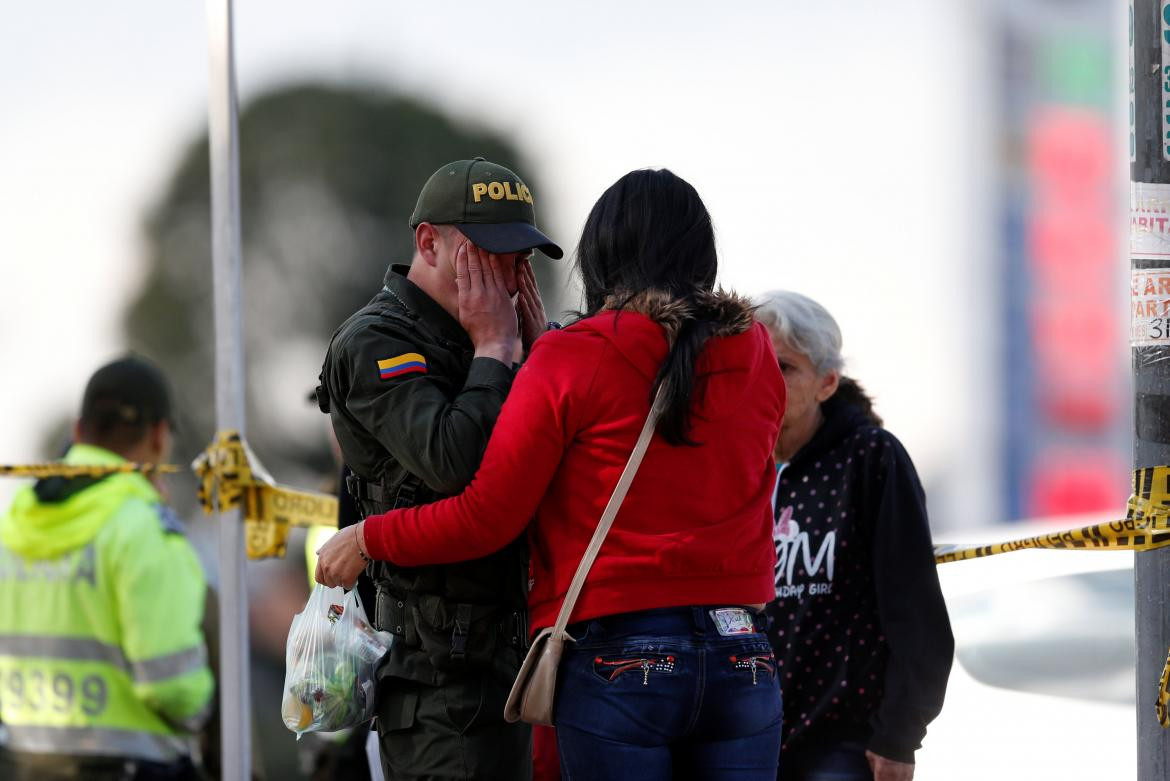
x: 611, y: 511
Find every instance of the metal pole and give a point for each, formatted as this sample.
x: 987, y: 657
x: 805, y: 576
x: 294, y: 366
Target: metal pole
x: 234, y: 689
x: 1149, y: 149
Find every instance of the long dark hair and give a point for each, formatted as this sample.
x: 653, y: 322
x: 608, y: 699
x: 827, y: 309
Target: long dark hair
x: 651, y: 231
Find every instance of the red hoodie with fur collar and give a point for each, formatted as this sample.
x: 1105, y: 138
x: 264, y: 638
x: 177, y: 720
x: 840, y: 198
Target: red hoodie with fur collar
x: 696, y: 525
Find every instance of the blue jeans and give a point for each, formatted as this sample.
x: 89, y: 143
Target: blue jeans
x: 661, y: 694
x: 844, y: 761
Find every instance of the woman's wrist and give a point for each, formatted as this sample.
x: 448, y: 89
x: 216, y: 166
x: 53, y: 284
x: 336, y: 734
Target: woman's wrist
x: 375, y: 530
x: 360, y: 541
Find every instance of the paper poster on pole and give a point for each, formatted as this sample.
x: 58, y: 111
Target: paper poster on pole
x: 1149, y: 307
x: 1149, y: 221
x: 1149, y: 240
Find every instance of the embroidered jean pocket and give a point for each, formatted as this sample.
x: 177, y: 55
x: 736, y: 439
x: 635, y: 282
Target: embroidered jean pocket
x: 759, y: 664
x: 638, y: 665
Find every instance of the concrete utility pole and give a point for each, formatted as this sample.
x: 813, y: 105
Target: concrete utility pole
x: 223, y: 143
x: 1149, y: 150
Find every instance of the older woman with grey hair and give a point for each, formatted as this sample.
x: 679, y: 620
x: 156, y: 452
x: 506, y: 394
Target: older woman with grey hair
x: 859, y: 627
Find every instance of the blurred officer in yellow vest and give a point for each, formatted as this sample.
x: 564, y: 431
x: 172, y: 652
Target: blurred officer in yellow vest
x: 103, y: 667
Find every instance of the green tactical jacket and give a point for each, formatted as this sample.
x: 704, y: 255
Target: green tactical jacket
x: 406, y: 395
x: 101, y: 599
x: 411, y: 405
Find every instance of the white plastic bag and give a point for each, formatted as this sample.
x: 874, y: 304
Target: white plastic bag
x: 330, y: 659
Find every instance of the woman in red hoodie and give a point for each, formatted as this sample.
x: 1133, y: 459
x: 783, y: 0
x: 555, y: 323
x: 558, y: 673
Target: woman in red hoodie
x: 671, y: 675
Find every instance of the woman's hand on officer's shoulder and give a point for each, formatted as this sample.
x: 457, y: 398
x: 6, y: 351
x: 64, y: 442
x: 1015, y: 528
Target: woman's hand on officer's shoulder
x: 342, y: 558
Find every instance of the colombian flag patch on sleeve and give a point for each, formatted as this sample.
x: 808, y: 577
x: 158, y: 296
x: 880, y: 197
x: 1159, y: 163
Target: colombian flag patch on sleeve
x: 410, y: 363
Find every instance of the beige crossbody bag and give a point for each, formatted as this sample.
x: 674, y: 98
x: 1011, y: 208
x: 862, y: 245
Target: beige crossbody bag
x: 531, y: 698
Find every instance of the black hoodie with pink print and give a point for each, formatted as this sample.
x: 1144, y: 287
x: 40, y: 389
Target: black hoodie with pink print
x: 860, y: 629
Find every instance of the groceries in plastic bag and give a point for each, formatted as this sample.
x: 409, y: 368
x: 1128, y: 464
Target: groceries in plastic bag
x: 330, y: 659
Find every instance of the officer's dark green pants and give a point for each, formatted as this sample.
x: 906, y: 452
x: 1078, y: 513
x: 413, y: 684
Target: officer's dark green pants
x: 454, y: 731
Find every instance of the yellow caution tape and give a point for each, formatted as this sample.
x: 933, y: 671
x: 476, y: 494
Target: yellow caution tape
x: 231, y: 476
x: 1112, y: 535
x: 1162, y: 704
x: 1146, y: 526
x: 1149, y: 506
x: 58, y: 469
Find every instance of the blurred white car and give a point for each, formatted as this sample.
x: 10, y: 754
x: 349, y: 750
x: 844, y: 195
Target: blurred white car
x: 1043, y: 682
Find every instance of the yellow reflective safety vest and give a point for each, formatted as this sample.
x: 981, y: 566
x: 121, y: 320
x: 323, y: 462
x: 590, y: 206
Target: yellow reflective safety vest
x: 314, y: 539
x: 101, y: 601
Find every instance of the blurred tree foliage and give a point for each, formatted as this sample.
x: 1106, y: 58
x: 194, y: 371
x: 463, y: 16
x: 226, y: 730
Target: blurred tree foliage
x: 328, y: 177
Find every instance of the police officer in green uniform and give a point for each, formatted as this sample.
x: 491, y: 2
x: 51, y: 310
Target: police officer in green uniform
x: 103, y: 668
x: 414, y: 382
